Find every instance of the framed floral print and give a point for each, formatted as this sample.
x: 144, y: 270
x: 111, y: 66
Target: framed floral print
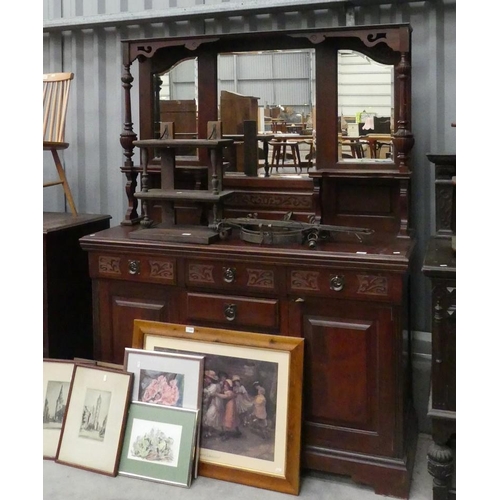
x: 168, y: 379
x: 159, y: 443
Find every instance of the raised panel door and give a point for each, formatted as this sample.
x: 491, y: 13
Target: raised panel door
x: 119, y: 303
x: 349, y: 386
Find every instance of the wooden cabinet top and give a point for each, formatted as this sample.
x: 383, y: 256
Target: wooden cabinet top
x: 55, y: 221
x: 440, y: 259
x: 383, y: 252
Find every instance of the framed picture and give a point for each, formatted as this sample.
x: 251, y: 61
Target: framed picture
x: 159, y: 443
x: 252, y: 400
x: 57, y: 374
x: 93, y: 427
x: 169, y: 379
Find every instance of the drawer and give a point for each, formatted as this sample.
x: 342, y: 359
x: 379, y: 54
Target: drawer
x: 150, y: 269
x: 232, y: 310
x: 339, y: 283
x: 232, y: 276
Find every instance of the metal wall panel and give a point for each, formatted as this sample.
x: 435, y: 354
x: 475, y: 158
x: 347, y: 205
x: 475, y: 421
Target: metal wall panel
x: 95, y: 115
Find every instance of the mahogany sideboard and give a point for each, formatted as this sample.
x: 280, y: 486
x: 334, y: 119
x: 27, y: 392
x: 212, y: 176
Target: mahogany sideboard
x: 348, y: 299
x: 67, y: 290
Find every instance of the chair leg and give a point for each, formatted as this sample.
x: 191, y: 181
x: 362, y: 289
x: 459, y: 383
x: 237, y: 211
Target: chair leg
x: 62, y: 176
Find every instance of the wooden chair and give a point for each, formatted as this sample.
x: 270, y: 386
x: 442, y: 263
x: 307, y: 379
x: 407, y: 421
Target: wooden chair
x: 55, y: 104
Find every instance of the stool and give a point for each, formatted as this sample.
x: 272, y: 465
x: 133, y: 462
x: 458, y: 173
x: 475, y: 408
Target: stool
x: 279, y: 152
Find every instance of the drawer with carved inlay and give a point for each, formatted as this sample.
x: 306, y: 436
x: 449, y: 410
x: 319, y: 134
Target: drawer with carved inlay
x: 231, y: 310
x: 251, y: 277
x: 362, y: 285
x: 144, y: 268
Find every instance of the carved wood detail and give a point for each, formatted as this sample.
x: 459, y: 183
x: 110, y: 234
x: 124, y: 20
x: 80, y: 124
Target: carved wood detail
x: 161, y: 269
x: 260, y: 278
x: 270, y: 200
x: 109, y: 265
x: 372, y: 285
x: 304, y: 280
x: 201, y: 273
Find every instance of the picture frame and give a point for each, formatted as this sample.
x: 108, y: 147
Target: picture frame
x: 160, y: 443
x: 263, y: 449
x: 94, y: 423
x: 57, y: 375
x: 168, y: 379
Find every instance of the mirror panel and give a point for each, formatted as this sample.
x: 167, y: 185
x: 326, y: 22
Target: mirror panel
x: 365, y: 107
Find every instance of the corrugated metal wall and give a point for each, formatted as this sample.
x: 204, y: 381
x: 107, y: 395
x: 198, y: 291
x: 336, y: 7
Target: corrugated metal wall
x: 84, y: 37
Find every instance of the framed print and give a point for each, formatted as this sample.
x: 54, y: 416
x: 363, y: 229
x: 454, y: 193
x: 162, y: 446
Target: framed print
x: 168, y: 379
x: 159, y: 443
x: 94, y: 423
x: 57, y: 374
x: 252, y: 400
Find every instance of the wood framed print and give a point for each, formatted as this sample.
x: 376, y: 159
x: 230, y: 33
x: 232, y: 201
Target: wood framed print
x: 57, y: 374
x: 252, y: 405
x: 159, y: 443
x: 168, y: 379
x: 93, y: 427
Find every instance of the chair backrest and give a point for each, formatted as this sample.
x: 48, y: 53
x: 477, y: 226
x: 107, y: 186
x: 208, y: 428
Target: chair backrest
x: 55, y: 104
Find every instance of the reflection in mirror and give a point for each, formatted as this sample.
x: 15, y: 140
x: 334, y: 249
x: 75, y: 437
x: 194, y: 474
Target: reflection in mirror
x: 277, y: 90
x: 274, y: 88
x: 176, y: 102
x: 365, y: 107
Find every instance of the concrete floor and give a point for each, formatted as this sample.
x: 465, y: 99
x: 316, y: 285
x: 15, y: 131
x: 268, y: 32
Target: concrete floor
x: 61, y: 482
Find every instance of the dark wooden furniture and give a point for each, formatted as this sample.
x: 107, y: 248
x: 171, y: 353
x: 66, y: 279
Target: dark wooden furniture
x: 67, y: 289
x: 440, y: 267
x: 348, y: 299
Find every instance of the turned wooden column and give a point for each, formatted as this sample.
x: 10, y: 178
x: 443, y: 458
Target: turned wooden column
x: 127, y: 137
x: 403, y: 138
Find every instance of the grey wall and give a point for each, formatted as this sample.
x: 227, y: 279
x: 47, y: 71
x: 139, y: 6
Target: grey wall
x: 84, y: 37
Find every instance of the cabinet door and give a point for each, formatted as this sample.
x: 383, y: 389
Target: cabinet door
x: 116, y: 305
x: 350, y: 371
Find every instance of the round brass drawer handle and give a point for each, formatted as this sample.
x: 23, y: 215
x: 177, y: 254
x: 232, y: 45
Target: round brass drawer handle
x: 230, y: 311
x: 134, y: 267
x: 337, y: 283
x: 229, y: 274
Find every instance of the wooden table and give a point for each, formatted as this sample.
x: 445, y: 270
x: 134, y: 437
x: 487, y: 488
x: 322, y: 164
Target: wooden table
x: 373, y: 141
x: 67, y: 289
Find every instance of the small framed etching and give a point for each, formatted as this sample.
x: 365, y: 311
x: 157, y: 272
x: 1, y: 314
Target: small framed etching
x: 93, y: 427
x: 159, y: 443
x: 57, y: 375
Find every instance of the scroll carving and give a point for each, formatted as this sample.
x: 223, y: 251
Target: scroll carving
x: 372, y: 285
x: 305, y: 280
x: 260, y: 278
x: 109, y: 265
x: 270, y: 200
x: 161, y: 269
x: 201, y: 273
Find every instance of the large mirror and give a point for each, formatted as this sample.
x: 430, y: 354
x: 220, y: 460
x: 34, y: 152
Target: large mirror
x: 276, y: 88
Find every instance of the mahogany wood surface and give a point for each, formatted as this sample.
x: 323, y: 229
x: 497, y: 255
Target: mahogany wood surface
x: 348, y: 300
x: 358, y: 416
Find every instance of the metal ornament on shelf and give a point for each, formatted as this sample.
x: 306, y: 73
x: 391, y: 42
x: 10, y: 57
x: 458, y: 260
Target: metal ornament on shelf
x: 285, y: 231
